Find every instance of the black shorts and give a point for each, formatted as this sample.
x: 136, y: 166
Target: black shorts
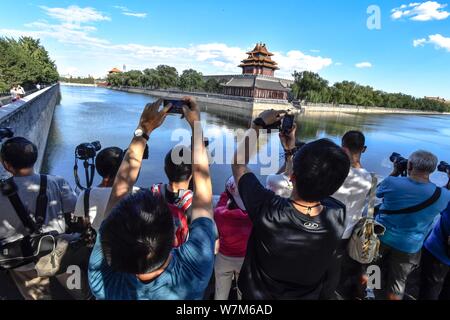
x: 395, y: 267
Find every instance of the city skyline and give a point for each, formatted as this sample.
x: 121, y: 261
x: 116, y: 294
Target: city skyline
x: 409, y: 52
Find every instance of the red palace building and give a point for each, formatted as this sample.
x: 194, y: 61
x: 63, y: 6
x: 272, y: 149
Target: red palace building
x: 257, y: 79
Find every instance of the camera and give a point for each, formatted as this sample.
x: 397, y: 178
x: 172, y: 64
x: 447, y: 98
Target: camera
x: 177, y: 105
x: 6, y: 133
x: 400, y: 162
x: 87, y: 151
x: 444, y: 167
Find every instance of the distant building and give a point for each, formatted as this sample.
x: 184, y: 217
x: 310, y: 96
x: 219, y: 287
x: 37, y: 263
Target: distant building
x: 439, y: 99
x: 114, y: 70
x: 257, y: 79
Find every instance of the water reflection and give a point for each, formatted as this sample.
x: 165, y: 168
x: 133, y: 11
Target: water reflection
x: 88, y: 114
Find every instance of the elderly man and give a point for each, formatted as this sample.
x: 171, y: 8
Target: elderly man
x: 410, y: 205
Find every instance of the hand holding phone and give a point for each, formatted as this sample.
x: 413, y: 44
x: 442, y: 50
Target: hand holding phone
x: 287, y: 124
x: 177, y: 105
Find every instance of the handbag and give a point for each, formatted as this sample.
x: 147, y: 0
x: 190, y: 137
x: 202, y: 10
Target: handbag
x: 35, y: 244
x: 70, y: 250
x: 364, y: 243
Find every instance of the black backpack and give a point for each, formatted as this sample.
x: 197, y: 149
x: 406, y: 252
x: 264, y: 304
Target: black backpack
x: 35, y: 244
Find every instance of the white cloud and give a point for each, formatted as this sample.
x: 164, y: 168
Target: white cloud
x: 419, y: 42
x: 314, y: 50
x: 129, y: 13
x: 438, y: 40
x: 338, y: 64
x: 421, y: 11
x: 95, y: 55
x: 75, y: 14
x: 364, y: 64
x: 70, y: 71
x: 297, y: 60
x: 137, y: 15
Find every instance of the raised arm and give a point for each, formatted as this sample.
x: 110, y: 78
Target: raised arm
x: 247, y: 148
x: 127, y: 175
x: 202, y: 200
x: 288, y: 143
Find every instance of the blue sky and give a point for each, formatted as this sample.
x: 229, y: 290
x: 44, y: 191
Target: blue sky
x: 409, y: 53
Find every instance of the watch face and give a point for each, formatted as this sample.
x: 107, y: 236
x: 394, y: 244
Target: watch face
x: 138, y: 132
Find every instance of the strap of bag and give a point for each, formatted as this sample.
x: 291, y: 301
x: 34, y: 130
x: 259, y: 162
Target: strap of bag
x: 373, y: 189
x: 20, y: 209
x: 42, y: 201
x: 87, y: 194
x: 427, y: 203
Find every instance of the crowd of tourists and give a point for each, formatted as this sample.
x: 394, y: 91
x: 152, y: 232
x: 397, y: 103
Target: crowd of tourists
x: 311, y: 231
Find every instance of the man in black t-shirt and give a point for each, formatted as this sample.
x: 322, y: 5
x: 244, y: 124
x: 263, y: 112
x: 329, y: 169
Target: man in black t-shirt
x: 293, y: 241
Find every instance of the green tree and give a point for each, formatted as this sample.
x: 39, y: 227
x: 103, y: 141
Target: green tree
x: 191, y: 80
x: 26, y: 62
x: 167, y: 77
x: 310, y: 86
x: 213, y: 85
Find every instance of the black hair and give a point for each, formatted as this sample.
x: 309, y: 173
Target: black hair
x: 178, y: 172
x: 138, y: 235
x: 19, y: 153
x: 108, y: 162
x: 320, y: 169
x: 354, y: 141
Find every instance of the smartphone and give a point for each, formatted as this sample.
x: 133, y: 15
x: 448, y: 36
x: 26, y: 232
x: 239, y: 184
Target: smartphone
x: 288, y: 123
x: 177, y: 105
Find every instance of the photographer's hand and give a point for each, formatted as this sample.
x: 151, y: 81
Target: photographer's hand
x: 202, y: 200
x: 396, y: 170
x: 288, y: 140
x: 272, y: 116
x: 128, y: 173
x: 288, y: 143
x: 191, y: 111
x: 151, y: 117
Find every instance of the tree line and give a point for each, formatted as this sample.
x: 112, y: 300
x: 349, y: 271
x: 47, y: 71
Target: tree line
x: 80, y: 80
x: 165, y: 77
x: 26, y: 62
x: 310, y: 87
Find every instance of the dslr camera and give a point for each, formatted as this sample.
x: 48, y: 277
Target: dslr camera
x: 6, y: 133
x: 444, y: 167
x: 400, y: 162
x: 87, y: 151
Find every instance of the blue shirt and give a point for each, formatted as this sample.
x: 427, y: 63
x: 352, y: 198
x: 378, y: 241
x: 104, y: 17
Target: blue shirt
x: 407, y: 232
x: 185, y: 278
x: 436, y: 242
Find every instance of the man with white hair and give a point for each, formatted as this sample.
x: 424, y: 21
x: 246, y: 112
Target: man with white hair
x: 410, y: 205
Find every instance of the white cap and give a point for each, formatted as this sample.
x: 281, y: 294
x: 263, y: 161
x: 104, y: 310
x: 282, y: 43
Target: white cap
x: 232, y: 188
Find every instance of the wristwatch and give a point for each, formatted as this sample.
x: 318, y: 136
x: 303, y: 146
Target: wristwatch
x: 140, y: 133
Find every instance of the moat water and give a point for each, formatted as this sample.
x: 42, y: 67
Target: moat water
x: 87, y: 114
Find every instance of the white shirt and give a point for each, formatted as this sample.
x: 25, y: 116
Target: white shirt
x: 280, y: 184
x: 20, y: 90
x: 61, y: 200
x: 354, y: 194
x: 98, y: 200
